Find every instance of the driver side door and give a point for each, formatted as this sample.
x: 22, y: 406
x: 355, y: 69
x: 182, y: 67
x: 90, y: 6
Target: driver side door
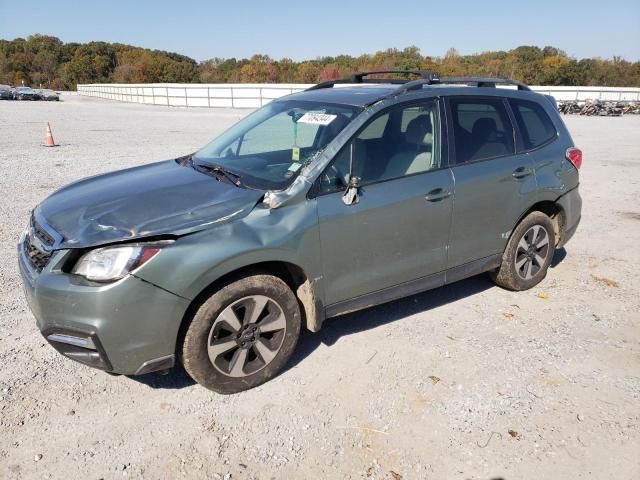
x: 393, y: 241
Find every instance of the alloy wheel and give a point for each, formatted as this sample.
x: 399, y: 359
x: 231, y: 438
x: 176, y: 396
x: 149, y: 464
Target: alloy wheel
x: 531, y: 254
x: 246, y: 336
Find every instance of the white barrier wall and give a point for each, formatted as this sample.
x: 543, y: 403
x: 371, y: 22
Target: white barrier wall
x: 231, y: 95
x: 252, y: 95
x: 628, y: 94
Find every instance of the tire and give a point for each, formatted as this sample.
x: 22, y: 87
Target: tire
x: 528, y: 255
x: 229, y: 346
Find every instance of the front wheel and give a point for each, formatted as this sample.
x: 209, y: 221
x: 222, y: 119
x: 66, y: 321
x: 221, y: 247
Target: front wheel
x: 242, y: 335
x: 528, y: 255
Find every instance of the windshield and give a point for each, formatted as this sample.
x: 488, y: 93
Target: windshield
x: 268, y: 148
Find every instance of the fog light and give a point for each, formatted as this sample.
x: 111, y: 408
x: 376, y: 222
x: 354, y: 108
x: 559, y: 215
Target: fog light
x: 72, y: 340
x: 81, y: 347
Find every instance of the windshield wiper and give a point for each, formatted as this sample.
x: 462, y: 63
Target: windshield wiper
x: 221, y: 173
x: 231, y: 176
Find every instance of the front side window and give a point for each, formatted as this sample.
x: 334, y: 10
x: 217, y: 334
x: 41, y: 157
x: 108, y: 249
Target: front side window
x: 269, y: 147
x: 481, y: 128
x: 535, y: 125
x: 399, y: 142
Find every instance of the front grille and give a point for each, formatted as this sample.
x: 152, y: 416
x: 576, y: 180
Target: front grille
x: 41, y: 233
x: 36, y: 257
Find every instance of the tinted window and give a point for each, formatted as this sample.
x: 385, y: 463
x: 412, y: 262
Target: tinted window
x: 409, y: 114
x: 481, y: 128
x: 376, y: 128
x: 535, y: 125
x: 402, y: 141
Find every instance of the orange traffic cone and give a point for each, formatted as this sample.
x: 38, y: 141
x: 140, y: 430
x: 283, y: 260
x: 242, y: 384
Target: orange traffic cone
x: 50, y: 141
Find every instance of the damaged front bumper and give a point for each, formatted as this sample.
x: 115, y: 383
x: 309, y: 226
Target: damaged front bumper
x: 128, y: 327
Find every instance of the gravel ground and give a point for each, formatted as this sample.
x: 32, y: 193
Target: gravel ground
x: 467, y: 381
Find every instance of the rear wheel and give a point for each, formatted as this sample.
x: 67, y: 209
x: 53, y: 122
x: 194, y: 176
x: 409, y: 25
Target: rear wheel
x: 526, y: 259
x: 242, y: 335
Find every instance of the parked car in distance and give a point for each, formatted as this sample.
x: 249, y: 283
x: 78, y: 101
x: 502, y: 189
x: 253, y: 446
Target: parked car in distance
x: 6, y: 92
x: 26, y: 93
x: 49, y: 95
x: 320, y: 203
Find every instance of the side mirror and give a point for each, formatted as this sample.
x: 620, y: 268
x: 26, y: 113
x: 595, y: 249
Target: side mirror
x: 352, y: 193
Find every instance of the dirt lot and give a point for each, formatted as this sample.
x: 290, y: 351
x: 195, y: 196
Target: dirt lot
x: 467, y: 381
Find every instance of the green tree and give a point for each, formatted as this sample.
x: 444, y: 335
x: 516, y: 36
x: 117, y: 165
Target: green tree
x: 47, y: 60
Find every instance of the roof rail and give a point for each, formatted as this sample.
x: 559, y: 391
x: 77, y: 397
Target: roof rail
x: 470, y: 81
x: 484, y: 82
x: 425, y: 75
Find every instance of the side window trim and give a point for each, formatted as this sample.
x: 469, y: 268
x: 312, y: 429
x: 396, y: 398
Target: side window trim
x: 518, y: 138
x: 444, y: 161
x: 451, y: 139
x: 446, y: 147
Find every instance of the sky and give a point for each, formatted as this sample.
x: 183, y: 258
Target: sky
x: 308, y: 29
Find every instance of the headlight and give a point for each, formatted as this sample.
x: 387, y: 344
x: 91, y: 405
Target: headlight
x: 112, y: 263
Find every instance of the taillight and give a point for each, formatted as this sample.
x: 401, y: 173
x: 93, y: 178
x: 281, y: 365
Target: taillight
x: 574, y: 155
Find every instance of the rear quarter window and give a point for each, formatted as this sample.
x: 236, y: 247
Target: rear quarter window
x: 535, y: 125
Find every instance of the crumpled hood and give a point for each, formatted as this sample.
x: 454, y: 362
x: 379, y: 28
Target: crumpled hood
x: 156, y: 199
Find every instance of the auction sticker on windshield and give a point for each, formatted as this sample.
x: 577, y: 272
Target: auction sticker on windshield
x: 317, y: 118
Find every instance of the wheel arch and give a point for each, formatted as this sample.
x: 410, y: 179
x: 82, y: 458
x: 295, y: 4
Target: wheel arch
x: 553, y: 210
x: 292, y: 274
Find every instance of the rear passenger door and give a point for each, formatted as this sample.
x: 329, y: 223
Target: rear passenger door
x: 493, y: 184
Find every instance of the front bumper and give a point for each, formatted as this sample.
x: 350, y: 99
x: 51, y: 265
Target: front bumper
x: 128, y: 327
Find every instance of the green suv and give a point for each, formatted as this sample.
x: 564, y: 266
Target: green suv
x: 350, y: 194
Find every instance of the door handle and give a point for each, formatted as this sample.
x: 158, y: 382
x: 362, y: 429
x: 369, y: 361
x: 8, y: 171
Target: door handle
x: 522, y: 172
x: 437, y: 194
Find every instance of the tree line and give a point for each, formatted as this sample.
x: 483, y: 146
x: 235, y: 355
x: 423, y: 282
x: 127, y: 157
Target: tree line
x: 47, y: 61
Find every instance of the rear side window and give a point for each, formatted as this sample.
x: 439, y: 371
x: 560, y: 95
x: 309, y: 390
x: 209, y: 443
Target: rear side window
x: 535, y: 125
x: 482, y: 128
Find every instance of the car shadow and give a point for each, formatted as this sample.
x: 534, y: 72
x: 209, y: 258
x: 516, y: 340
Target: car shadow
x: 558, y: 257
x: 335, y: 328
x: 174, y: 379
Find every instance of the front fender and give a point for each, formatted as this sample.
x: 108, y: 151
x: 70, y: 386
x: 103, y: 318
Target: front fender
x: 288, y: 234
